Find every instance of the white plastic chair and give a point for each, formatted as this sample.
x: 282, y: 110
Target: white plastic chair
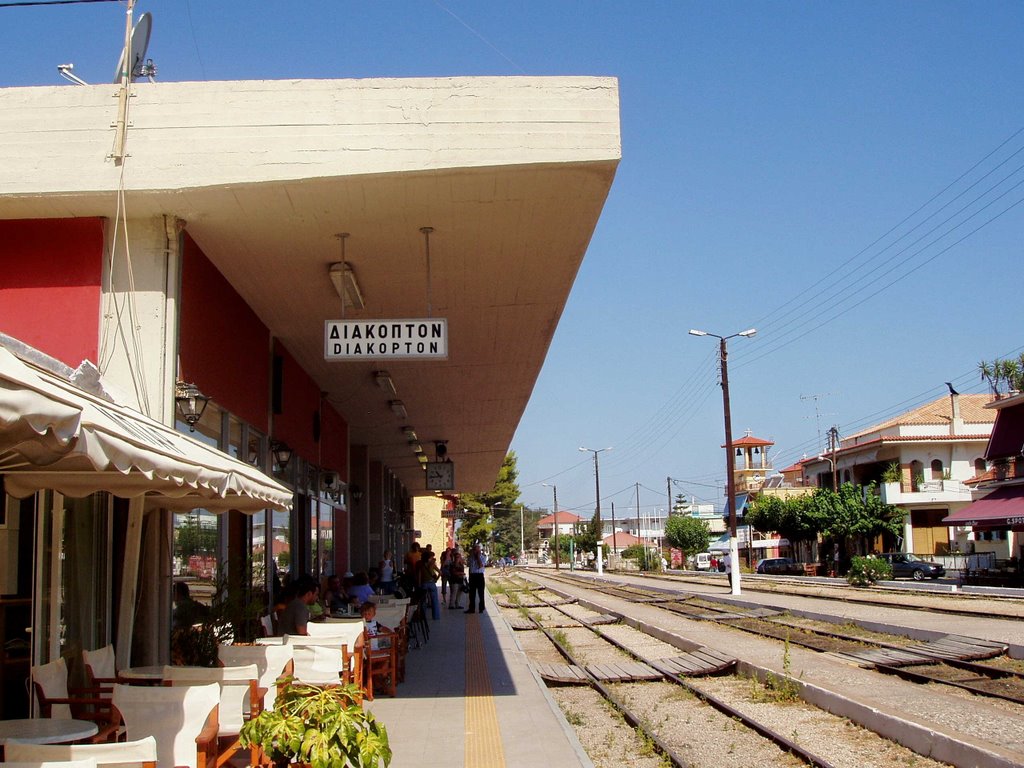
x: 240, y: 699
x: 272, y: 662
x: 123, y: 754
x: 57, y: 700
x: 182, y: 719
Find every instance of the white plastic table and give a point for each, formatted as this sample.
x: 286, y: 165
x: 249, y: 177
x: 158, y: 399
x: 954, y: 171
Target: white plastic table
x: 151, y: 675
x: 46, y: 730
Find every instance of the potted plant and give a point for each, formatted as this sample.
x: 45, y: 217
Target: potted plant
x: 319, y: 726
x: 892, y: 479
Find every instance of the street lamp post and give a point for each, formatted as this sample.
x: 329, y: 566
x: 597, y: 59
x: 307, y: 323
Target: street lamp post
x: 730, y: 465
x: 597, y: 496
x: 554, y: 493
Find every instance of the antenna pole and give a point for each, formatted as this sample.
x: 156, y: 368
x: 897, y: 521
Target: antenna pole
x: 122, y: 93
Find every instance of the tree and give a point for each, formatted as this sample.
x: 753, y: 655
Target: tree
x: 493, y: 517
x: 1000, y: 374
x: 687, y: 534
x: 793, y: 518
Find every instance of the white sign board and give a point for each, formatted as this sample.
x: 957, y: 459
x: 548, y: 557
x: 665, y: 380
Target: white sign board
x: 386, y: 339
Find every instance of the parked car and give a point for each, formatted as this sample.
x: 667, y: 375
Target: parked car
x: 785, y: 566
x: 702, y: 561
x: 905, y: 564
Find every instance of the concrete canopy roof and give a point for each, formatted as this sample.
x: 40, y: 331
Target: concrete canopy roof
x: 511, y: 173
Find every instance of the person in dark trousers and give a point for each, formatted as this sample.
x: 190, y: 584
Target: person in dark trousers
x: 476, y: 578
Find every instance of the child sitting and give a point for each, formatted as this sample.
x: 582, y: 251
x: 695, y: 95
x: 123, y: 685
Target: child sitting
x: 374, y: 629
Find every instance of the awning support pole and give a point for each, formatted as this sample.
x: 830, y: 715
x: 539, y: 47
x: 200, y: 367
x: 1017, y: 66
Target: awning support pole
x: 129, y: 581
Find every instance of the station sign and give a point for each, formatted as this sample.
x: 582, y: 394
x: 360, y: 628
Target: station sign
x: 406, y: 339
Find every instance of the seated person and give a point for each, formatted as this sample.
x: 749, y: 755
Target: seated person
x: 360, y: 591
x: 295, y: 617
x: 187, y: 612
x: 335, y: 599
x: 375, y: 630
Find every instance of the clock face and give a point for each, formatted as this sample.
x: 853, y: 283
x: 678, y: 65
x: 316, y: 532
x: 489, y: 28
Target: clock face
x: 440, y: 476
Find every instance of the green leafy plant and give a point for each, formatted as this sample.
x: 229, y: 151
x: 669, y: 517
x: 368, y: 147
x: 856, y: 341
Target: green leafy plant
x: 324, y: 727
x: 865, y: 571
x: 892, y: 473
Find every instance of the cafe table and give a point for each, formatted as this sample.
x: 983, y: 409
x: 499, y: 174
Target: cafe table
x: 151, y: 675
x: 46, y: 730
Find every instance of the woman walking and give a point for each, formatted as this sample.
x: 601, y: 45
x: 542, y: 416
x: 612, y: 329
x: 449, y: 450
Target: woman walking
x: 458, y: 576
x: 446, y: 571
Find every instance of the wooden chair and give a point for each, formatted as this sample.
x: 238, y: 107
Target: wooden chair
x: 114, y: 754
x: 241, y: 699
x: 57, y: 700
x: 100, y: 667
x: 344, y: 633
x: 315, y: 657
x: 380, y: 661
x: 273, y: 662
x: 182, y: 719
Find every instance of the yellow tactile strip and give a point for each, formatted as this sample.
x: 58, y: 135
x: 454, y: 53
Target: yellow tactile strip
x: 483, y: 736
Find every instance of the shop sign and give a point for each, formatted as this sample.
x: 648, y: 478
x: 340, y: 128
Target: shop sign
x: 386, y: 339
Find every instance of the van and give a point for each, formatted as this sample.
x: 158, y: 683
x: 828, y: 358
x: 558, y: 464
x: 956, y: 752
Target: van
x: 702, y: 561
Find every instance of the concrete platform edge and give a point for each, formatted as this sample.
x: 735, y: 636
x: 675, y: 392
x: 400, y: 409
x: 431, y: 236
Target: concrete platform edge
x: 930, y: 742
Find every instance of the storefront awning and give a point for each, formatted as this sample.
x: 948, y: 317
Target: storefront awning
x: 57, y: 436
x: 1003, y: 508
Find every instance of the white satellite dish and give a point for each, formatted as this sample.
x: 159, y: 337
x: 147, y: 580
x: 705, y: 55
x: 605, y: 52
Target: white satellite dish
x: 137, y: 53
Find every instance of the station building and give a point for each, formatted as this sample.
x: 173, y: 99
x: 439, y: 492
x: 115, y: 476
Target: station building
x: 169, y: 295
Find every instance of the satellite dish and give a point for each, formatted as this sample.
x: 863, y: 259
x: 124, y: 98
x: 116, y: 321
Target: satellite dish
x: 137, y: 53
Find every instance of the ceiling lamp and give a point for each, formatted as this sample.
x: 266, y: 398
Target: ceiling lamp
x: 191, y: 403
x: 344, y: 279
x: 409, y: 433
x: 398, y: 408
x: 383, y: 379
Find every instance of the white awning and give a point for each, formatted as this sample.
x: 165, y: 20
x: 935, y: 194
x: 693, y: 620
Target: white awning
x: 57, y: 436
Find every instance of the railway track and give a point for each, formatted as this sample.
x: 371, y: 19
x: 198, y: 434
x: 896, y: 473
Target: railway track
x: 958, y: 666
x: 597, y: 626
x: 638, y: 722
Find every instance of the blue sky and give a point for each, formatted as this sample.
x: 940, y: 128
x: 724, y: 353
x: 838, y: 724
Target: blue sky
x: 795, y: 167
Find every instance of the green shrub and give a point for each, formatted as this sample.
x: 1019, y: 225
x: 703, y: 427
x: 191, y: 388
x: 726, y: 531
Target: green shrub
x: 865, y: 571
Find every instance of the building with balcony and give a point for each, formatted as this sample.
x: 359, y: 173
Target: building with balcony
x: 935, y: 448
x: 994, y: 524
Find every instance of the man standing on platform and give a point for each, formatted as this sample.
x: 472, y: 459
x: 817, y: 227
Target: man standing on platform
x: 476, y: 578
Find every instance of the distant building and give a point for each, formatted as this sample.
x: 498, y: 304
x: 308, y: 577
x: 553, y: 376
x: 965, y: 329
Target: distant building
x: 994, y: 523
x: 936, y: 448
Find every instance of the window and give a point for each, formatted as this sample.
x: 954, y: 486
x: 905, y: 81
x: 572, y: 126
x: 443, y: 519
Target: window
x: 980, y: 467
x: 936, y: 469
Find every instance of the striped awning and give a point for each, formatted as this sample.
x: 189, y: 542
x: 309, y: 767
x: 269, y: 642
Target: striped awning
x: 54, y: 435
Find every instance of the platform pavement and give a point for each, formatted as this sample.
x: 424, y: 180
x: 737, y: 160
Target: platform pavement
x: 471, y: 699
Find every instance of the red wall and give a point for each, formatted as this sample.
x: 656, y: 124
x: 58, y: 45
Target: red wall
x: 300, y: 402
x: 224, y: 347
x: 50, y: 276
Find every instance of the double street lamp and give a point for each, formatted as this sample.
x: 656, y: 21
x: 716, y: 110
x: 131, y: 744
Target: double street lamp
x: 730, y: 461
x: 597, y: 493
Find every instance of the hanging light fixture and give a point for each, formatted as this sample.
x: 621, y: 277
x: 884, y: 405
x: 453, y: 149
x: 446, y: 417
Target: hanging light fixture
x: 191, y: 403
x: 282, y: 455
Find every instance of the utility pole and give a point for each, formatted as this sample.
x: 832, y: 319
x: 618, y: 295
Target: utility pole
x: 833, y: 435
x: 554, y: 493
x: 668, y: 484
x: 615, y: 545
x: 640, y: 526
x: 730, y: 465
x: 597, y: 501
